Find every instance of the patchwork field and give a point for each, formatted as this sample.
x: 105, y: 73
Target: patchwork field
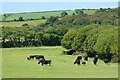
x: 15, y: 65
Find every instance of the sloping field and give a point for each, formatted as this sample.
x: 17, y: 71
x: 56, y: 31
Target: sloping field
x: 47, y: 14
x: 36, y: 15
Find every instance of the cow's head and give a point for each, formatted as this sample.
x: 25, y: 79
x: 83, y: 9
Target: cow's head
x: 28, y: 58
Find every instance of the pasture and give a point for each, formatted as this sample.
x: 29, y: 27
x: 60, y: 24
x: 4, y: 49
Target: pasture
x: 15, y: 65
x: 35, y: 15
x: 20, y: 23
x: 47, y: 14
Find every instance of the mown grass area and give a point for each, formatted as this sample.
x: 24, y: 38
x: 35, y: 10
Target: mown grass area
x: 20, y: 23
x: 15, y: 65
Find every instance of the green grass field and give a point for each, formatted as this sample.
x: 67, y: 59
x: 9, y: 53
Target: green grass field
x: 15, y: 65
x: 19, y: 24
x: 35, y: 15
x: 47, y: 14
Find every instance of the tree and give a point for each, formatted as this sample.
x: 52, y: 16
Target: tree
x: 5, y: 15
x: 73, y: 13
x: 99, y: 39
x: 25, y: 25
x: 68, y: 39
x: 109, y: 9
x: 79, y: 12
x: 101, y: 9
x: 21, y: 19
x: 51, y: 19
x: 82, y: 21
x: 64, y: 13
x: 15, y: 20
x: 43, y: 17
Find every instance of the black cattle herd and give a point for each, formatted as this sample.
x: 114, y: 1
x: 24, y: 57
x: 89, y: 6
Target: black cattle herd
x: 41, y: 60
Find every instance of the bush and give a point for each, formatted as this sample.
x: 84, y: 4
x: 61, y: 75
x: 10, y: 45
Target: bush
x: 64, y: 13
x: 25, y: 24
x: 96, y: 39
x: 43, y: 17
x: 21, y: 19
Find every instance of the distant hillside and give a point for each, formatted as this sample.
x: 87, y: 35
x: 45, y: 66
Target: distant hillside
x: 37, y: 15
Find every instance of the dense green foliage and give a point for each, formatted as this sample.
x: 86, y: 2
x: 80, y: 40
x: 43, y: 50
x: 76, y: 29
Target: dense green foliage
x: 103, y: 39
x: 51, y: 20
x: 106, y: 17
x: 79, y: 12
x: 64, y: 13
x: 20, y: 37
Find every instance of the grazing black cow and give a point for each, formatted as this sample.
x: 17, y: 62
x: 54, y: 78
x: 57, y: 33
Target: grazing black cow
x: 107, y: 61
x: 84, y: 63
x: 77, y: 61
x: 35, y: 56
x: 79, y: 57
x: 43, y: 61
x: 39, y: 57
x: 95, y: 59
x: 86, y: 58
x: 70, y: 52
x: 31, y: 57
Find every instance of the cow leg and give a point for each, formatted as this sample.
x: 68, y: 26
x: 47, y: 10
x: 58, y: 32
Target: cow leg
x: 42, y: 64
x: 50, y: 63
x: 78, y: 62
x: 39, y: 62
x: 32, y: 58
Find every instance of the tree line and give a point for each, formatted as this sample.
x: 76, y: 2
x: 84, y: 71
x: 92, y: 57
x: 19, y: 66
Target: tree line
x: 97, y: 39
x: 24, y: 37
